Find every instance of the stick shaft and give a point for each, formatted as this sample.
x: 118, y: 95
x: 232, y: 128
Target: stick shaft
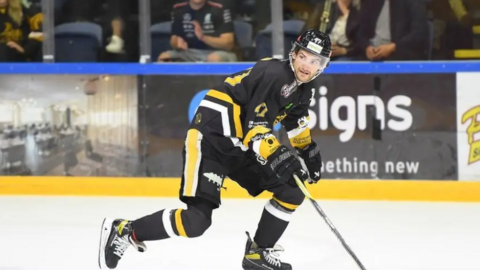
x: 327, y: 220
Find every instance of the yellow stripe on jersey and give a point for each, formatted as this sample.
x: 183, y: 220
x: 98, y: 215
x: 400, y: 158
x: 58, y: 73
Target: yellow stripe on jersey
x: 302, y: 139
x: 237, y: 79
x: 236, y: 110
x: 193, y: 156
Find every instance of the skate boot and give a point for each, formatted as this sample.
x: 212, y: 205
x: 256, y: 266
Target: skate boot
x: 115, y: 238
x: 262, y: 258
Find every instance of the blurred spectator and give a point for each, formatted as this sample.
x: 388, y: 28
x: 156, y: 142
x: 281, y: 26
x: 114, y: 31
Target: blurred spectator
x: 80, y: 11
x: 244, y: 9
x: 119, y: 11
x: 340, y: 19
x: 466, y: 11
x: 453, y: 21
x: 161, y: 10
x: 393, y: 30
x: 201, y: 31
x: 20, y: 32
x: 301, y: 9
x: 118, y: 19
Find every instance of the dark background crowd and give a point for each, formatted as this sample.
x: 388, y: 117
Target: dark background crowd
x: 240, y: 30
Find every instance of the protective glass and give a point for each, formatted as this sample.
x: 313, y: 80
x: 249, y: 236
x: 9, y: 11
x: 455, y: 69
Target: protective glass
x: 312, y: 60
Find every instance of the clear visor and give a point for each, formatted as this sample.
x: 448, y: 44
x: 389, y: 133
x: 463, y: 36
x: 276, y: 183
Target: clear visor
x: 313, y: 60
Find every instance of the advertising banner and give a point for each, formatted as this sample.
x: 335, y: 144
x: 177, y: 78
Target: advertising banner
x: 169, y: 99
x: 396, y: 126
x: 468, y: 120
x: 75, y: 125
x: 390, y: 126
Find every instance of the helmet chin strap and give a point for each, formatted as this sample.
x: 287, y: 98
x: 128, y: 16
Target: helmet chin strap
x: 290, y: 57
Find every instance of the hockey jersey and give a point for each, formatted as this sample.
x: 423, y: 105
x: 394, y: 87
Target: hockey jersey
x: 256, y: 99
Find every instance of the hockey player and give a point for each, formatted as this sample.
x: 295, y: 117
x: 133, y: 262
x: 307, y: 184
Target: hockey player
x: 231, y: 136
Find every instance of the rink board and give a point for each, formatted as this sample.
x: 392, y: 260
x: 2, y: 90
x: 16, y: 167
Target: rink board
x: 395, y: 190
x: 463, y: 85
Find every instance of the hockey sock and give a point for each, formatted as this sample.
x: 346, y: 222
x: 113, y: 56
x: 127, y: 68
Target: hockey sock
x: 154, y: 226
x: 192, y: 222
x: 274, y: 221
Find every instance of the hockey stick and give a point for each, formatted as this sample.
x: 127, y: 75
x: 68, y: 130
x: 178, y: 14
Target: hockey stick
x: 305, y: 191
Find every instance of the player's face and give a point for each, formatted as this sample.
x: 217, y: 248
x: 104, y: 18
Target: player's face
x: 306, y: 65
x: 3, y: 3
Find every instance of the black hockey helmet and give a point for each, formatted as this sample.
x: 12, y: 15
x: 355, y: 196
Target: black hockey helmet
x: 317, y: 43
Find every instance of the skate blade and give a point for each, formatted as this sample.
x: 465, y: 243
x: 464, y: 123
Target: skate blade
x: 104, y: 233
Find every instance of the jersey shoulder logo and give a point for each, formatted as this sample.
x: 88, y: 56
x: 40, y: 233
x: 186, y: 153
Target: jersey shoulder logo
x: 261, y: 110
x: 288, y: 89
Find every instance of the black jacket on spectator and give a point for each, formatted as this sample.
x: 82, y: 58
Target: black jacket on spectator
x: 214, y: 18
x: 353, y: 24
x: 408, y: 27
x: 351, y: 30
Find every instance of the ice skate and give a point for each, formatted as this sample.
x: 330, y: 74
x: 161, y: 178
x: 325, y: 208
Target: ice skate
x: 263, y: 258
x: 115, y: 238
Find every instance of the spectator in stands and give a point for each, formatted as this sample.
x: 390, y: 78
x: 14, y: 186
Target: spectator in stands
x: 453, y: 21
x: 119, y: 12
x: 113, y: 15
x: 393, y: 30
x: 340, y: 19
x: 20, y: 32
x: 79, y: 11
x: 161, y: 11
x: 201, y: 31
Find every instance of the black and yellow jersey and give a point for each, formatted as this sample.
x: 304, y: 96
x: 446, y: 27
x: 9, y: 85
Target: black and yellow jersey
x: 251, y: 102
x: 23, y: 27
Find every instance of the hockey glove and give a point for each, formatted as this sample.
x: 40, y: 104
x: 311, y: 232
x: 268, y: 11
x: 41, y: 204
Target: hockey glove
x: 284, y: 164
x: 313, y: 160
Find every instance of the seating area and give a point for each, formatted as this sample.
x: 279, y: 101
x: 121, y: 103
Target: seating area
x: 82, y: 41
x: 79, y: 39
x: 252, y: 47
x: 78, y: 42
x: 85, y: 40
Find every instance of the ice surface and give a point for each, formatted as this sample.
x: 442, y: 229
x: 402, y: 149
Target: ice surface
x: 62, y: 233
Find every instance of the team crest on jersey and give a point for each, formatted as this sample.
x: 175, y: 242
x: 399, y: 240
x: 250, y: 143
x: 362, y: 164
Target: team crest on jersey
x: 198, y: 118
x: 279, y: 118
x: 287, y: 90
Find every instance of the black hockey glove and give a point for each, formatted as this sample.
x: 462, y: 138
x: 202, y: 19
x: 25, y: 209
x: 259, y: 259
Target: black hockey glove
x: 284, y: 164
x: 313, y: 160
